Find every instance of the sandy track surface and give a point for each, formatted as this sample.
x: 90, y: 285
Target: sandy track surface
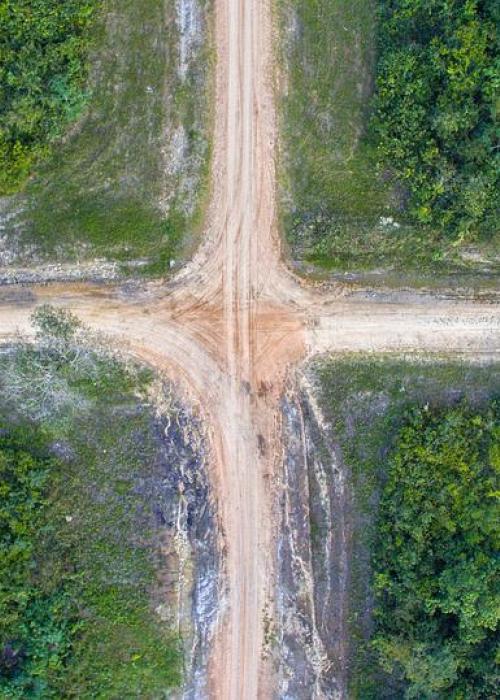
x: 231, y: 324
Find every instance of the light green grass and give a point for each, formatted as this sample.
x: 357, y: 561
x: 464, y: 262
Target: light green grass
x: 365, y: 400
x: 333, y: 196
x: 110, y: 189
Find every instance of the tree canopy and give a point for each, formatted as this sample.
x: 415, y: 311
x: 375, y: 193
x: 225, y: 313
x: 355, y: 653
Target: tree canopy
x: 436, y: 565
x: 436, y: 107
x: 43, y: 70
x: 36, y: 623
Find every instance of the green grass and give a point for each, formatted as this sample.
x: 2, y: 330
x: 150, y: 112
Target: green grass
x: 112, y: 188
x: 365, y: 399
x: 333, y: 196
x: 96, y: 554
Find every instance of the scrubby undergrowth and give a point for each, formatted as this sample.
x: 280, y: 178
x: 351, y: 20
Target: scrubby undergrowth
x: 127, y: 181
x: 82, y: 473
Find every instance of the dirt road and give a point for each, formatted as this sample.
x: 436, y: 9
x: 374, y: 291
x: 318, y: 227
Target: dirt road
x: 231, y: 323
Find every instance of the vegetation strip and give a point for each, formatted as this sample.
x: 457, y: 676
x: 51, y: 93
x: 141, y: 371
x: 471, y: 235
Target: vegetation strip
x: 388, y: 154
x: 435, y: 110
x: 417, y: 444
x: 83, y: 484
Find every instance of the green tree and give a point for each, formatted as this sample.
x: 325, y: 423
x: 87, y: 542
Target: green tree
x: 43, y: 71
x: 436, y: 108
x: 34, y: 624
x: 436, y: 565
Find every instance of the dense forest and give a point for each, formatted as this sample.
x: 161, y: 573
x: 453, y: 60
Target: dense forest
x: 436, y: 106
x: 38, y: 622
x: 43, y: 71
x: 436, y: 565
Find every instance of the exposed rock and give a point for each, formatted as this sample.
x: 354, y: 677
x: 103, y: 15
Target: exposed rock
x: 191, y: 582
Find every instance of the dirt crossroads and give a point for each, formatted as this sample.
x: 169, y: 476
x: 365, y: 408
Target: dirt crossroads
x: 232, y: 323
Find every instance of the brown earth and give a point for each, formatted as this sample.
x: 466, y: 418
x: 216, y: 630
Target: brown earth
x: 231, y: 323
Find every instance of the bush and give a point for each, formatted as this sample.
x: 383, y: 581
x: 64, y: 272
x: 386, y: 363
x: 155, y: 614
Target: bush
x: 43, y: 70
x: 436, y: 571
x: 435, y: 109
x: 35, y: 625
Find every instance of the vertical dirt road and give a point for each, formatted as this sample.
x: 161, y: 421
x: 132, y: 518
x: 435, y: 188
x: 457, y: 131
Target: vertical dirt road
x: 241, y: 246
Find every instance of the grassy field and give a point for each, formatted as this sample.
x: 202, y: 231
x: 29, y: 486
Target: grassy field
x: 129, y: 180
x: 339, y: 212
x: 81, y: 614
x: 365, y: 401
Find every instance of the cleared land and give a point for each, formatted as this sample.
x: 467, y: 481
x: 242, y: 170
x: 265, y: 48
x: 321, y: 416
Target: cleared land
x: 128, y: 182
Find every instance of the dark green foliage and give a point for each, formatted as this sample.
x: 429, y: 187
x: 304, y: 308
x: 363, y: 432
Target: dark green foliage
x: 435, y: 571
x: 435, y: 109
x: 35, y: 623
x: 368, y: 401
x: 43, y: 69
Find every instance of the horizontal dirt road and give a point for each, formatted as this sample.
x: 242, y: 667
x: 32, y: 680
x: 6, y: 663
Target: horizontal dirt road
x: 232, y: 323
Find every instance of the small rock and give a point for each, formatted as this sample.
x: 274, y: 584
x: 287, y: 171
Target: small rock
x: 388, y: 221
x: 163, y: 612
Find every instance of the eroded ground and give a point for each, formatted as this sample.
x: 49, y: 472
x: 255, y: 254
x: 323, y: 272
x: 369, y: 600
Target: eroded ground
x: 340, y: 417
